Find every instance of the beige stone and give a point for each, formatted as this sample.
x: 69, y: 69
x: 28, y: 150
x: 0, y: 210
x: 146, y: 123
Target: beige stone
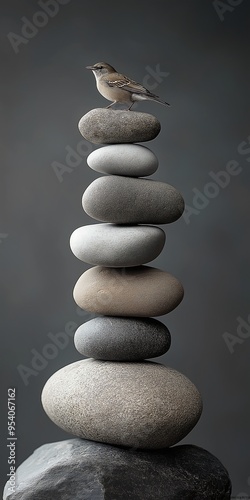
x: 136, y: 291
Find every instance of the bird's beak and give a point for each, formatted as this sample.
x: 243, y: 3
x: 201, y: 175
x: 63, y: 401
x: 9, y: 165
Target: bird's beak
x: 90, y: 67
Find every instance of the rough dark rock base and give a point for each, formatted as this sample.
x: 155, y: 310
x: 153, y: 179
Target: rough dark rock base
x: 77, y: 469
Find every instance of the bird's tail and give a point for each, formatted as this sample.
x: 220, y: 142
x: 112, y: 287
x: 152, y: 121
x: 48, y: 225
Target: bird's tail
x: 149, y: 97
x: 153, y: 97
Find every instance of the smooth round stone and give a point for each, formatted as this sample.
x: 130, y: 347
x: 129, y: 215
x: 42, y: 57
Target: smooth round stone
x: 143, y: 405
x: 141, y: 291
x: 123, y: 159
x: 185, y: 472
x: 126, y: 200
x: 109, y: 126
x: 122, y: 339
x: 117, y: 246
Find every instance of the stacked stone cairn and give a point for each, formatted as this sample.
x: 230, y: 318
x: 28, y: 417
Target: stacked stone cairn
x: 126, y: 411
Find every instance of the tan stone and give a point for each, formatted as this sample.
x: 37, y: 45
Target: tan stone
x: 136, y: 291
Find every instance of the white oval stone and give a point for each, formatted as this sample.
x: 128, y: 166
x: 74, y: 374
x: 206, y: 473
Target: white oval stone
x: 117, y: 246
x: 143, y: 405
x: 123, y: 159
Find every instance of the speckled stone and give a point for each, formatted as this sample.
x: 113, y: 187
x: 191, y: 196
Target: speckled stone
x: 127, y: 200
x: 134, y: 291
x: 109, y: 126
x: 122, y: 339
x: 117, y: 246
x: 143, y: 405
x: 77, y: 469
x: 133, y: 160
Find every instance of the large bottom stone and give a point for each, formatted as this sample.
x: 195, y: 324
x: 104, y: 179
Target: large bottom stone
x: 83, y: 470
x: 141, y: 405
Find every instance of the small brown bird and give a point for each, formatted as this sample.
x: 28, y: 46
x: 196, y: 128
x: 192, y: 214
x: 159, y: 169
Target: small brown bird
x: 119, y: 88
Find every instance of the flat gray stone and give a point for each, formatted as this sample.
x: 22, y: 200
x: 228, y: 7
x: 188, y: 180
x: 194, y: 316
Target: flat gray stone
x: 143, y: 405
x: 109, y: 126
x: 127, y: 200
x: 117, y: 246
x: 122, y: 339
x: 77, y: 469
x: 141, y: 291
x: 133, y: 160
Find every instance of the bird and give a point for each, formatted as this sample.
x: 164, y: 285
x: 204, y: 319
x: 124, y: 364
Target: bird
x: 118, y: 88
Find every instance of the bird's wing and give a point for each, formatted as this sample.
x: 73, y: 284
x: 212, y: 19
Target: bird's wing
x: 125, y: 83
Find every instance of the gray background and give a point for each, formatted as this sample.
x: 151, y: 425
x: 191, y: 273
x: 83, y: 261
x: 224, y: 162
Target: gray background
x: 46, y: 90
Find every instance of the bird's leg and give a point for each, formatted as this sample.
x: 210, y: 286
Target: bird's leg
x: 130, y: 106
x: 112, y: 103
